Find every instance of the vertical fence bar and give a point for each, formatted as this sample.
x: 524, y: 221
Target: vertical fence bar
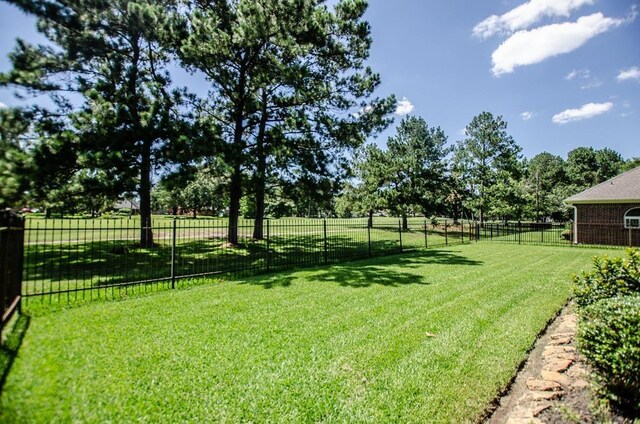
x: 400, y: 233
x: 369, y: 238
x: 462, y: 231
x: 446, y: 236
x: 324, y: 228
x: 426, y: 243
x: 268, y: 255
x: 173, y: 253
x: 519, y: 232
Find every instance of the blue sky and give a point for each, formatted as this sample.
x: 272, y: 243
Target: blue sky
x: 562, y: 73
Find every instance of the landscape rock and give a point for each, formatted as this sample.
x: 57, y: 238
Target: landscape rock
x: 561, y: 341
x: 537, y: 396
x: 542, y: 385
x: 579, y: 383
x: 541, y: 407
x: 558, y: 365
x: 555, y: 377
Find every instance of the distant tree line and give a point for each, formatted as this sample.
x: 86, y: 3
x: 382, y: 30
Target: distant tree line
x: 481, y: 177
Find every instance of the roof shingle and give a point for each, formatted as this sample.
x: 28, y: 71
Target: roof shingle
x: 623, y: 188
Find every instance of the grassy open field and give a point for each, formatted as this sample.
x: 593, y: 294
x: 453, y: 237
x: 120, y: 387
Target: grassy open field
x: 430, y: 336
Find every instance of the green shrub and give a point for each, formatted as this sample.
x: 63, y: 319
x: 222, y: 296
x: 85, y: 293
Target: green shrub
x: 610, y: 277
x: 609, y: 337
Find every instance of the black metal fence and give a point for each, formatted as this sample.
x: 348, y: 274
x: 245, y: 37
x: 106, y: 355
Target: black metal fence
x: 587, y: 234
x: 527, y: 233
x: 11, y: 256
x: 72, y: 259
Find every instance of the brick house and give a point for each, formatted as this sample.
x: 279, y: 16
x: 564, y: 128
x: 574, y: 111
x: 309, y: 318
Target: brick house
x: 609, y: 213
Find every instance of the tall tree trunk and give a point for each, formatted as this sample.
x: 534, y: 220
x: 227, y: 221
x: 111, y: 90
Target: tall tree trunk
x: 261, y: 170
x: 235, y: 189
x: 237, y: 150
x: 405, y: 223
x: 370, y: 220
x: 146, y: 232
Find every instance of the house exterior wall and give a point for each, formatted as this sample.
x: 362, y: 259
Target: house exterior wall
x: 604, y: 224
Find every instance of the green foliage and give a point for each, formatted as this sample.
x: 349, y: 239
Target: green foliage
x: 409, y: 176
x: 14, y: 159
x: 545, y: 179
x: 609, y: 337
x: 609, y: 277
x: 123, y: 120
x: 287, y: 81
x: 630, y: 164
x: 414, y: 168
x: 587, y: 166
x: 485, y: 157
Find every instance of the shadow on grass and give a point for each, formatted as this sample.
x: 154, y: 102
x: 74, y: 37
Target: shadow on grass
x: 53, y: 267
x: 365, y: 274
x: 11, y: 345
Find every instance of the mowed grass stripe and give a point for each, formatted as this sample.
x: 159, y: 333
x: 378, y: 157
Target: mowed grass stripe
x: 428, y: 336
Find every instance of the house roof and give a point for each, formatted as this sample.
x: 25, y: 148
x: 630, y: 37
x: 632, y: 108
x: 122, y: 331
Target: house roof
x: 623, y: 188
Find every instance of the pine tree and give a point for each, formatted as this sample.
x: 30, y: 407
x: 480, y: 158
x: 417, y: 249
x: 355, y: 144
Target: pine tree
x: 106, y: 73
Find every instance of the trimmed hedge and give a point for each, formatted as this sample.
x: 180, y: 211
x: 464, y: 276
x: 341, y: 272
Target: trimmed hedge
x: 610, y: 277
x: 609, y: 337
x: 609, y: 329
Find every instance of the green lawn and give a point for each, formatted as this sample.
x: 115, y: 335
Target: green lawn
x: 430, y: 336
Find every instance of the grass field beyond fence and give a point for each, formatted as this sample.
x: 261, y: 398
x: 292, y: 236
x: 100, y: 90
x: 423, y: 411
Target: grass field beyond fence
x: 79, y: 259
x: 430, y: 336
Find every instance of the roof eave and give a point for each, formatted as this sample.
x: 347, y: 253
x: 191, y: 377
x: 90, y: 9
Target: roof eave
x: 599, y: 201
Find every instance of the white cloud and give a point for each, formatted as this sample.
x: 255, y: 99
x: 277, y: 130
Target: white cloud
x: 632, y: 73
x: 594, y: 83
x: 404, y: 107
x: 362, y: 111
x: 578, y: 73
x: 527, y: 115
x: 584, y: 75
x: 536, y: 45
x: 3, y: 106
x: 525, y: 15
x: 585, y: 112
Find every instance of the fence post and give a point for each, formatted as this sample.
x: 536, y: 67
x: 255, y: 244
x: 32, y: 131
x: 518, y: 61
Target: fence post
x: 541, y: 233
x: 268, y: 252
x: 462, y: 231
x: 324, y: 224
x: 446, y: 236
x: 426, y: 244
x: 400, y: 233
x: 478, y: 232
x: 519, y: 232
x: 173, y: 255
x: 11, y: 265
x: 369, y: 238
